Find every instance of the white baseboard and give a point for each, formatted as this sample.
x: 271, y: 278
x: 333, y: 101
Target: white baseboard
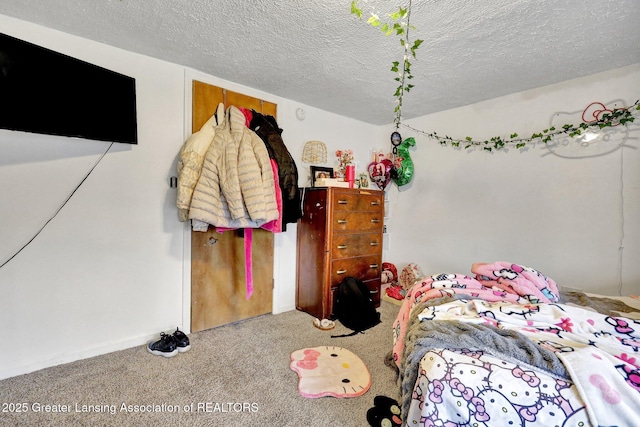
x: 283, y: 308
x: 72, y: 357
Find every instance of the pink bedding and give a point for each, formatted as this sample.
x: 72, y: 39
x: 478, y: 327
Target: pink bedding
x: 499, y: 281
x: 591, y: 369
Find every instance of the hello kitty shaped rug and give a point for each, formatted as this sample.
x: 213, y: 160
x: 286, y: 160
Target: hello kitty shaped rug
x: 330, y: 371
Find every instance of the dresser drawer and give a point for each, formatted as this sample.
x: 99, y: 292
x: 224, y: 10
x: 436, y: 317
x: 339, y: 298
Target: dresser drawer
x: 364, y: 267
x: 352, y: 245
x: 362, y: 201
x: 375, y: 287
x: 348, y: 221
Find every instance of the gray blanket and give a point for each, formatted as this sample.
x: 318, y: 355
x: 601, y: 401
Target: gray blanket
x: 506, y: 345
x: 607, y: 306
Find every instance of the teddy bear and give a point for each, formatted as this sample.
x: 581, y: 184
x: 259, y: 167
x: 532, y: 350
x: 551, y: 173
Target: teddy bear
x: 409, y: 275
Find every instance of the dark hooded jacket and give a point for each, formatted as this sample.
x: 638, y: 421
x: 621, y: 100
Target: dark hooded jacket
x: 268, y: 130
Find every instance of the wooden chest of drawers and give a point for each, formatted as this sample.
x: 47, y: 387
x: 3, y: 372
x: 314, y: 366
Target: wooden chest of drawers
x: 339, y: 235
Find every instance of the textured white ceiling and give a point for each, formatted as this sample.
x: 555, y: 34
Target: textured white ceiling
x: 317, y: 53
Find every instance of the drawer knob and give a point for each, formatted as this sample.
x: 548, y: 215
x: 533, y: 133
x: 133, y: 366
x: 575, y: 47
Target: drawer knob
x: 375, y: 220
x: 342, y: 221
x: 342, y: 202
x: 375, y: 291
x: 373, y: 265
x: 373, y: 244
x: 341, y: 271
x: 342, y: 246
x: 375, y: 203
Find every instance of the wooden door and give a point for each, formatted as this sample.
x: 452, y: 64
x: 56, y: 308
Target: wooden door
x: 218, y: 287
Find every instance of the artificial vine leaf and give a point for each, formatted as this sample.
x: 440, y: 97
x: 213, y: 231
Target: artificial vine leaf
x: 401, y: 29
x: 373, y: 21
x: 401, y: 13
x: 355, y: 9
x: 619, y: 116
x: 416, y: 45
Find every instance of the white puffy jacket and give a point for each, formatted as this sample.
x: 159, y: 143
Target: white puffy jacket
x: 236, y: 188
x: 191, y: 160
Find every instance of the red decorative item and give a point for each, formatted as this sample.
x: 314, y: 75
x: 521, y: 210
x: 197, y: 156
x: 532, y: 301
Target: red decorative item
x: 380, y: 172
x: 350, y: 175
x: 595, y: 112
x: 396, y: 292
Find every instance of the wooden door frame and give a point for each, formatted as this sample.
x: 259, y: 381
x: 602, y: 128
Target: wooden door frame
x: 189, y: 77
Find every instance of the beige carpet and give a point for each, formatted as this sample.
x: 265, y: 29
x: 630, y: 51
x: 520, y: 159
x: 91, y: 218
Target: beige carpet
x: 233, y: 375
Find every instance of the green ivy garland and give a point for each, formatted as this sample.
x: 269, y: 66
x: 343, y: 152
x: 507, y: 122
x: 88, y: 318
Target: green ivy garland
x: 618, y: 116
x: 399, y: 25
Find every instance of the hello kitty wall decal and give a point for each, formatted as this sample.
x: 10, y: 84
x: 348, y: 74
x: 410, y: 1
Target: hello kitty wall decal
x: 597, y: 122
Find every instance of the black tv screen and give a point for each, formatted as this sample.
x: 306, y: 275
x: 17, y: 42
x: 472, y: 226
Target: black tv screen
x: 43, y: 91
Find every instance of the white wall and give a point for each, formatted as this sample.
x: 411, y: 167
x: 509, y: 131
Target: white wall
x: 566, y: 217
x: 110, y: 271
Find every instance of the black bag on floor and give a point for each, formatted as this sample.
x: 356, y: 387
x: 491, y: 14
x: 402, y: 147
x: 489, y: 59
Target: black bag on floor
x: 354, y: 307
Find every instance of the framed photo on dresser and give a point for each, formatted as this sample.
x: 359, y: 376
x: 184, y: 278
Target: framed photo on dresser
x: 320, y: 172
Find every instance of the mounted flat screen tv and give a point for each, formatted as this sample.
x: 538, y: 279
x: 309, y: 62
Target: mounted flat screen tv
x: 43, y: 91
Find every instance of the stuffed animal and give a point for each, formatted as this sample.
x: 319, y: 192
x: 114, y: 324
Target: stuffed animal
x: 390, y: 278
x: 409, y: 275
x: 389, y: 273
x: 387, y: 277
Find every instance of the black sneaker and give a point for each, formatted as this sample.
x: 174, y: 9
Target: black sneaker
x: 182, y: 341
x: 165, y: 346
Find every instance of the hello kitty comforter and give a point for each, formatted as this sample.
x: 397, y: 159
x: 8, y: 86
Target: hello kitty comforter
x: 468, y: 357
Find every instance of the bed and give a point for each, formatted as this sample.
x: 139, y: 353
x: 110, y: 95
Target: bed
x: 503, y: 347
